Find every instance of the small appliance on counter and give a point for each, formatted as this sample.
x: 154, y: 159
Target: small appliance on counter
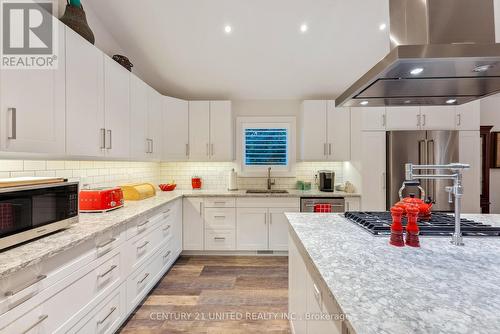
x: 138, y: 191
x: 326, y: 180
x: 101, y: 199
x: 232, y: 180
x: 31, y: 211
x: 196, y: 182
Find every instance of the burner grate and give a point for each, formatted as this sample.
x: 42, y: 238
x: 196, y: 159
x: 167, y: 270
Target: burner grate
x: 441, y: 224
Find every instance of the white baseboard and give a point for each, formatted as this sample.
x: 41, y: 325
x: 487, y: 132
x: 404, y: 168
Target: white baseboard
x: 235, y: 253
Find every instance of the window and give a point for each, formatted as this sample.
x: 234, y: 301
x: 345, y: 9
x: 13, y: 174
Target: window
x: 265, y: 142
x: 266, y: 146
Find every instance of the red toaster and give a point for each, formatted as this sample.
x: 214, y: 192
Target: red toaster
x: 100, y: 199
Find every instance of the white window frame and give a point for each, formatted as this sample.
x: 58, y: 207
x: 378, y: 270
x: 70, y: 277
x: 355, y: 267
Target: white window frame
x: 290, y: 123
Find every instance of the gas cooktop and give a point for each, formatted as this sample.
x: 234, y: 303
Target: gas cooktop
x: 441, y: 224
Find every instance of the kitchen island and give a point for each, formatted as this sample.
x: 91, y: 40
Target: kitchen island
x: 438, y: 288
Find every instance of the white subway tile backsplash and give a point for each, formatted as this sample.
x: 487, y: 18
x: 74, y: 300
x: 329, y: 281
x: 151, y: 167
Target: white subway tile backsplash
x: 35, y: 165
x: 11, y: 165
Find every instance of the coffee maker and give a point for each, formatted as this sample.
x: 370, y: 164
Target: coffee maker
x: 326, y: 180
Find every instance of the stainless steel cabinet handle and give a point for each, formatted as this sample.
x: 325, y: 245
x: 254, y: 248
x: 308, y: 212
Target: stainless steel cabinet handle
x: 166, y: 211
x: 187, y: 150
x: 24, y: 287
x: 201, y: 208
x: 330, y: 149
x: 13, y: 123
x: 167, y: 254
x: 110, y: 241
x: 459, y: 119
x: 208, y: 150
x: 384, y: 120
x: 109, y: 145
x: 107, y: 272
x: 219, y: 238
x: 152, y: 146
x: 113, y: 309
x: 424, y: 119
x: 143, y: 245
x: 166, y: 228
x: 317, y: 294
x: 212, y: 149
x: 41, y: 319
x: 325, y: 149
x: 144, y: 278
x: 148, y: 145
x: 143, y: 224
x: 220, y: 217
x: 103, y: 138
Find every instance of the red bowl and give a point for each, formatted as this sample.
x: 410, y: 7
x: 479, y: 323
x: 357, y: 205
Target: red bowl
x: 167, y: 187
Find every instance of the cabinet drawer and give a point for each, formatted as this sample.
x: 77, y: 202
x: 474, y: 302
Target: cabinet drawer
x: 141, y: 248
x: 220, y: 202
x: 220, y: 218
x: 266, y: 202
x: 220, y: 240
x: 144, y: 225
x: 107, y: 318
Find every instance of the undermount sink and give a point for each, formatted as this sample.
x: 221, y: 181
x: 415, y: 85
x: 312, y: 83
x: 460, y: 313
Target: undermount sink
x: 265, y: 191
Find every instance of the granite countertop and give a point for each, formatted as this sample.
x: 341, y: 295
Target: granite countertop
x: 438, y: 288
x: 91, y: 225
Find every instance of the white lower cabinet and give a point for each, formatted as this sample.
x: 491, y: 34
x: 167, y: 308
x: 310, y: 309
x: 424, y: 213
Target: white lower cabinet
x: 193, y: 224
x: 352, y: 204
x: 93, y: 287
x: 251, y: 230
x: 312, y: 309
x: 278, y: 228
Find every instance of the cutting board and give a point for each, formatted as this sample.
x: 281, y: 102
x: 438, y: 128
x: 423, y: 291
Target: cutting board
x: 27, y: 181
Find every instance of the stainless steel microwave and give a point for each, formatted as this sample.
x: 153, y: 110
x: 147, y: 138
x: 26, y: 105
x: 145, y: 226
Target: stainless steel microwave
x: 29, y: 212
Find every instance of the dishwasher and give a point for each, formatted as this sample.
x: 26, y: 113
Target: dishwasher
x: 307, y: 203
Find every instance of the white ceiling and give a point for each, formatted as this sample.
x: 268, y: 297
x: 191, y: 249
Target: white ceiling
x: 180, y: 47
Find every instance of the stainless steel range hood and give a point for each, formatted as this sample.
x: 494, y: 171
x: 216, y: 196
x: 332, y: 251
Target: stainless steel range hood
x: 443, y: 53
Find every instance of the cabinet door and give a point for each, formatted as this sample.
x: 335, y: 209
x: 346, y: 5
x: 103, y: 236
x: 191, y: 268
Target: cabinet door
x: 339, y: 133
x: 251, y: 229
x: 469, y: 116
x: 352, y: 204
x: 175, y: 129
x: 373, y: 173
x: 438, y: 118
x: 138, y: 118
x: 315, y: 306
x: 221, y: 131
x: 117, y: 109
x: 199, y: 139
x: 403, y: 118
x: 373, y: 118
x: 470, y: 153
x: 297, y: 298
x: 84, y: 97
x: 313, y: 137
x: 155, y: 111
x: 278, y: 228
x: 33, y: 107
x: 192, y: 223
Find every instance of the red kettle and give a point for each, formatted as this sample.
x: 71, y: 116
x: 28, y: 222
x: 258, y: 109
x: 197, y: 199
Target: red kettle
x: 424, y: 206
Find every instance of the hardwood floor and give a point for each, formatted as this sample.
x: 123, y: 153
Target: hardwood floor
x: 217, y: 295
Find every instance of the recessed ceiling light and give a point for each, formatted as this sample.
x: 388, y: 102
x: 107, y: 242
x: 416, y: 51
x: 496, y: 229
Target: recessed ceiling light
x: 382, y: 26
x: 363, y: 103
x: 451, y: 101
x: 482, y: 68
x: 416, y: 71
x: 228, y: 29
x: 303, y: 27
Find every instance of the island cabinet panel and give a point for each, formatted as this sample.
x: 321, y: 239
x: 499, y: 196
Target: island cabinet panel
x: 313, y: 309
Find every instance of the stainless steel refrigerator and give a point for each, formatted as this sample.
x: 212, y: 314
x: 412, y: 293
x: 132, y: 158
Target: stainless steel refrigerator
x: 420, y: 147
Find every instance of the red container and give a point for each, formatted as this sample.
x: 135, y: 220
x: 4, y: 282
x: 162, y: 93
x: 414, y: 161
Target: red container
x: 167, y: 187
x: 397, y: 227
x: 196, y: 182
x: 323, y: 208
x: 101, y: 199
x: 412, y: 229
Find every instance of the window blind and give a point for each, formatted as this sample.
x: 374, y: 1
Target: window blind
x: 265, y: 147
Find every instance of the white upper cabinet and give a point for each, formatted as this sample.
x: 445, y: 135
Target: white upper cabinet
x: 325, y: 131
x: 155, y: 126
x: 339, y: 133
x: 199, y: 130
x: 139, y: 95
x: 32, y: 116
x: 221, y: 131
x: 373, y: 171
x: 373, y: 118
x: 175, y: 129
x: 85, y: 129
x: 469, y: 116
x: 403, y: 118
x: 117, y: 109
x: 314, y: 133
x: 438, y: 117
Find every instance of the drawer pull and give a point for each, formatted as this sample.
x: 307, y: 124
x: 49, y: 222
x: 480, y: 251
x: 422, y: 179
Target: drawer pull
x: 142, y: 224
x: 107, y: 272
x: 113, y: 309
x: 166, y: 211
x: 110, y: 241
x: 220, y: 217
x: 36, y: 280
x: 41, y: 319
x: 166, y: 228
x: 167, y: 255
x: 144, y: 278
x: 219, y: 238
x: 221, y: 203
x: 143, y: 245
x: 317, y: 293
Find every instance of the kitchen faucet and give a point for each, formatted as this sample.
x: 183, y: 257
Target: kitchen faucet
x: 456, y: 190
x: 269, y: 182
